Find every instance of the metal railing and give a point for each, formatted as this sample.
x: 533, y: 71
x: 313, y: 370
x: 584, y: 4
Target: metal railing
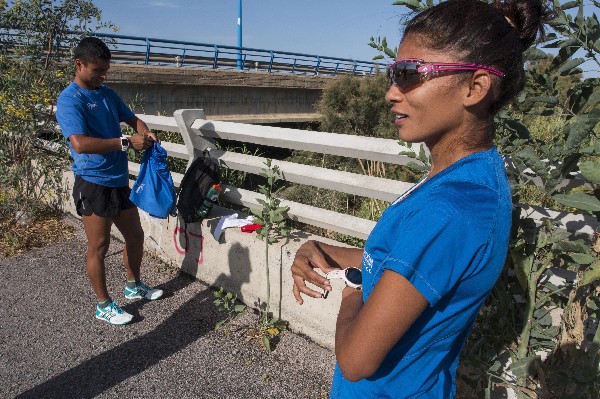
x: 162, y: 52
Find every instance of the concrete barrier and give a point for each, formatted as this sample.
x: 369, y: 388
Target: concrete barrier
x: 236, y: 262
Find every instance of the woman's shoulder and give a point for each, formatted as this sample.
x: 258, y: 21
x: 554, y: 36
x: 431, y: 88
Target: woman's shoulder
x: 481, y: 172
x: 476, y: 186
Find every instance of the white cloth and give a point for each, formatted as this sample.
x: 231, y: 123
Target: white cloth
x: 231, y: 221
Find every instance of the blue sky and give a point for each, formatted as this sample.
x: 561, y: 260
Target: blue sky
x: 335, y: 28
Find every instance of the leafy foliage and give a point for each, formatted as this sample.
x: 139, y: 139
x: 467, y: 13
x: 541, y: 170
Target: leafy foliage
x: 268, y: 331
x: 274, y: 227
x: 541, y: 314
x: 227, y: 303
x: 35, y: 38
x: 357, y: 105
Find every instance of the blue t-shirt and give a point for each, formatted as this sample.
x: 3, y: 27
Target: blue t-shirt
x: 449, y: 239
x: 95, y: 113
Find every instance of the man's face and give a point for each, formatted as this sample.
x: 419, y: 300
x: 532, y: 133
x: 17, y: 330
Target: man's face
x: 90, y: 75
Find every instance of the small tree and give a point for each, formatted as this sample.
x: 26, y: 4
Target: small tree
x: 274, y: 227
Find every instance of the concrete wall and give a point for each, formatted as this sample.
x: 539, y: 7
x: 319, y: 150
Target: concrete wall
x: 236, y: 262
x: 222, y: 103
x: 253, y: 96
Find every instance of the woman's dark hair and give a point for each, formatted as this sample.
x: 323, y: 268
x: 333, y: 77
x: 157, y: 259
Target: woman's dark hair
x: 91, y: 49
x: 494, y: 34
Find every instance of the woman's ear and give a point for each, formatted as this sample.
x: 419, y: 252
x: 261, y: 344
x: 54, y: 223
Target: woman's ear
x: 479, y: 90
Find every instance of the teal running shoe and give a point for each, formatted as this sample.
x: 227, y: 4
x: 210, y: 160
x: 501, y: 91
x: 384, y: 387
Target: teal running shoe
x: 113, y: 314
x: 142, y: 291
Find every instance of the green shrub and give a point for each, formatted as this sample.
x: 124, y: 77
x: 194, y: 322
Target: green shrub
x: 38, y: 36
x: 550, y: 134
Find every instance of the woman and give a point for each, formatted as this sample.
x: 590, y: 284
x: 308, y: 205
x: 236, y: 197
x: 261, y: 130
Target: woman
x: 437, y: 251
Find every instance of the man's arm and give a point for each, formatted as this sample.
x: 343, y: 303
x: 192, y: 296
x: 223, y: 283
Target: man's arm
x: 83, y: 144
x: 142, y: 140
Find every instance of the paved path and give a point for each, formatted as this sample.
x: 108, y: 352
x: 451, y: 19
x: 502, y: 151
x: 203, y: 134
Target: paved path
x: 51, y: 345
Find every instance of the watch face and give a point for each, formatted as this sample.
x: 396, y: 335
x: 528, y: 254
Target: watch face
x: 124, y: 142
x: 354, y: 275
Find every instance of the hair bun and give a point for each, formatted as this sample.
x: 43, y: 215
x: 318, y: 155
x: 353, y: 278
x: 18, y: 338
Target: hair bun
x: 527, y: 17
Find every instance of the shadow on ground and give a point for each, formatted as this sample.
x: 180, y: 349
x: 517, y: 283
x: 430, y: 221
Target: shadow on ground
x: 188, y: 323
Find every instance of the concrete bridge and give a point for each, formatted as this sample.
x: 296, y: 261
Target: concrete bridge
x: 246, y: 96
x: 236, y: 84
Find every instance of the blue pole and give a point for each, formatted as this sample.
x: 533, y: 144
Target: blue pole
x: 240, y: 65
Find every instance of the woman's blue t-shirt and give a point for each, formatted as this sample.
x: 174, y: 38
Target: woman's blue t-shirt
x: 95, y: 113
x: 449, y: 239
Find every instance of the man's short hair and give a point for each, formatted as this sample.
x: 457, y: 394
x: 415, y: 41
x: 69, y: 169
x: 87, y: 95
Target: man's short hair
x: 91, y: 49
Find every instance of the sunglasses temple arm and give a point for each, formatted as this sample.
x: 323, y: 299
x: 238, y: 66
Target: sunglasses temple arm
x: 465, y: 67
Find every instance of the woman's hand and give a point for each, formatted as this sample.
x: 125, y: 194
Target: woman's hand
x: 309, y: 256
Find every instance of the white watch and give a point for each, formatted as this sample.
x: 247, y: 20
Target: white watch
x: 124, y: 143
x: 352, y: 276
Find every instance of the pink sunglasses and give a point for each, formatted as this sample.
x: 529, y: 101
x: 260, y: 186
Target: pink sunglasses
x: 409, y: 72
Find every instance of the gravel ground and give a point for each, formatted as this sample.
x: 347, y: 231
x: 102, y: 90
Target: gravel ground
x: 51, y: 345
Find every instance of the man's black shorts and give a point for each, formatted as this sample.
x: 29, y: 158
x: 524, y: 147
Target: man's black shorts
x: 100, y: 200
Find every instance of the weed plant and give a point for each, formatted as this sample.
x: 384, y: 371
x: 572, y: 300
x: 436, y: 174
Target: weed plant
x: 226, y: 302
x: 274, y: 227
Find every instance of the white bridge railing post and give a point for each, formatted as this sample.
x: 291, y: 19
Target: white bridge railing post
x: 194, y: 143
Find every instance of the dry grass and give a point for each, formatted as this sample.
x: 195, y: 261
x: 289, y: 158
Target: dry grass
x: 19, y: 236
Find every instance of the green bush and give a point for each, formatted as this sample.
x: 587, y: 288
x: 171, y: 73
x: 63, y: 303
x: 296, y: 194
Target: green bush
x: 35, y: 38
x: 550, y: 135
x: 357, y: 105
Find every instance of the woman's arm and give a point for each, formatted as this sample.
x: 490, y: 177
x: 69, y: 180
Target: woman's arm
x: 365, y: 333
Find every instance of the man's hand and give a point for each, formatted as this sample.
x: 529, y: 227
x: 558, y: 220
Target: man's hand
x: 152, y: 135
x: 144, y: 138
x: 143, y: 141
x: 309, y: 256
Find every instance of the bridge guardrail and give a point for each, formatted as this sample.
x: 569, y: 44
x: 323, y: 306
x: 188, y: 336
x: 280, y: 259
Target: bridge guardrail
x: 163, y: 52
x: 198, y: 134
x: 153, y: 51
x: 234, y: 262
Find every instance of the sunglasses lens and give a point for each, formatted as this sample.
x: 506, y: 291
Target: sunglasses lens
x: 404, y: 75
x: 354, y: 275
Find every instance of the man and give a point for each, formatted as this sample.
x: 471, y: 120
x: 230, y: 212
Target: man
x: 89, y: 114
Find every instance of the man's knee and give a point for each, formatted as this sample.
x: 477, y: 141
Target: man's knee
x: 98, y: 247
x: 130, y: 226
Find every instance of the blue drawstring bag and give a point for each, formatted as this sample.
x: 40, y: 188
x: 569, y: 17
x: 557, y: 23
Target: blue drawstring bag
x: 153, y: 190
